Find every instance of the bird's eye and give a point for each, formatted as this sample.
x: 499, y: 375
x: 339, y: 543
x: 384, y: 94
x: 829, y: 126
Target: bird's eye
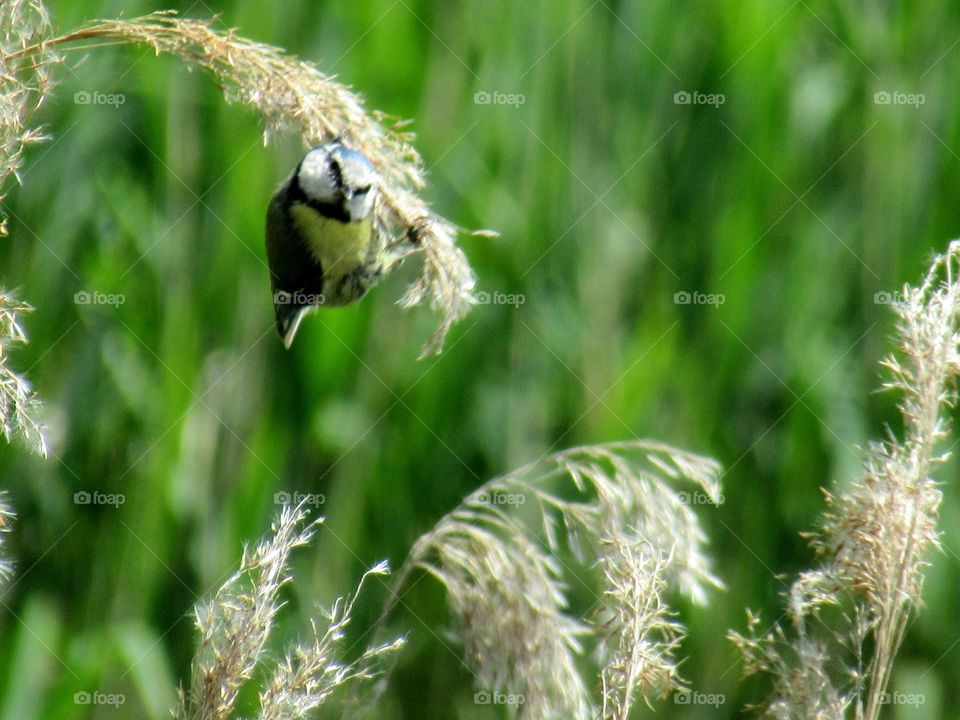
x: 362, y: 190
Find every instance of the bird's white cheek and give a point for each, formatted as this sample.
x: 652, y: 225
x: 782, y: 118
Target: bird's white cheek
x: 319, y: 187
x: 360, y: 206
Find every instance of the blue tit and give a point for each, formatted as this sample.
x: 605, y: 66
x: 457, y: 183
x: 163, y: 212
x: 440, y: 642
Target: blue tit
x: 322, y: 247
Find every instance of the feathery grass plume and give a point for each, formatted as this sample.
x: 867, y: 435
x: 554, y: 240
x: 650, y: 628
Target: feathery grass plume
x: 875, y: 535
x: 6, y: 520
x: 235, y: 625
x: 508, y: 596
x: 24, y: 83
x: 19, y: 405
x: 803, y: 672
x: 311, y: 672
x: 504, y: 575
x: 290, y: 93
x: 641, y: 636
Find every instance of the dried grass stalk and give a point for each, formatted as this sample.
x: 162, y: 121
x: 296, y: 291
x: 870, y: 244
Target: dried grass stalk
x: 642, y: 638
x: 311, y: 672
x: 508, y: 596
x: 19, y: 406
x: 24, y: 83
x: 6, y: 521
x: 236, y: 623
x: 875, y: 535
x: 504, y: 576
x: 25, y: 66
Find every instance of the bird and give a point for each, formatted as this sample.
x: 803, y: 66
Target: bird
x: 322, y: 247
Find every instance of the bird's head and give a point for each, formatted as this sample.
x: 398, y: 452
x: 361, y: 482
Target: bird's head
x: 334, y: 175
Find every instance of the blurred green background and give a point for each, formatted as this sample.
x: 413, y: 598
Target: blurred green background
x: 797, y: 199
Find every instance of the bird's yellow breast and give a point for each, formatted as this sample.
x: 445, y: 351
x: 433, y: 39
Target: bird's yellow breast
x: 339, y: 247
